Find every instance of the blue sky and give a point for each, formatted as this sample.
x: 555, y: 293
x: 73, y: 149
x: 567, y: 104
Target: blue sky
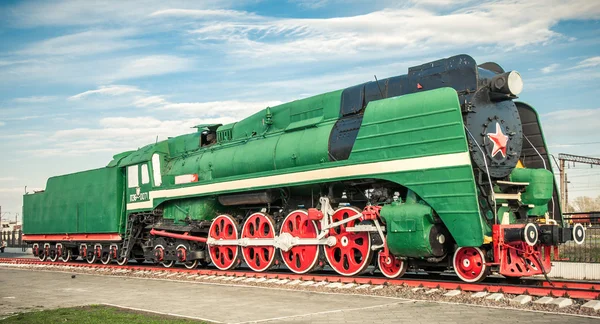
x: 81, y: 81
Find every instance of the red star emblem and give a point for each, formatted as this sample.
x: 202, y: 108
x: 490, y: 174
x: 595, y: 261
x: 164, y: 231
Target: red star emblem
x: 500, y: 140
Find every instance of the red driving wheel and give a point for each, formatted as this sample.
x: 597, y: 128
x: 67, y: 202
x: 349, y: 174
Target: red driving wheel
x: 300, y: 258
x: 224, y: 257
x: 259, y: 226
x: 352, y: 252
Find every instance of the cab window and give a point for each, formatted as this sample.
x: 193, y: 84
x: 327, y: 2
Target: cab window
x: 156, y: 170
x: 208, y: 138
x: 145, y: 174
x: 132, y: 176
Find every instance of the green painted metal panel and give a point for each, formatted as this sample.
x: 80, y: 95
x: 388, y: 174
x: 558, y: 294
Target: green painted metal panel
x: 256, y: 155
x: 303, y: 147
x: 408, y: 229
x: 419, y: 125
x: 192, y: 209
x: 411, y: 126
x: 538, y: 192
x: 298, y: 111
x: 84, y: 202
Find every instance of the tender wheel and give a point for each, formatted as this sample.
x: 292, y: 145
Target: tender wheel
x: 469, y: 264
x: 191, y: 264
x: 122, y: 261
x: 259, y: 226
x: 91, y: 257
x: 391, y: 266
x: 42, y: 255
x: 300, y: 258
x: 352, y: 252
x: 53, y: 255
x: 105, y: 259
x: 66, y: 255
x: 224, y: 257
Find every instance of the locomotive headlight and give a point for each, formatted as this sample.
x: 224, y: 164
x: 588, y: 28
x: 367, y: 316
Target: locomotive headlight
x: 515, y: 82
x: 508, y: 83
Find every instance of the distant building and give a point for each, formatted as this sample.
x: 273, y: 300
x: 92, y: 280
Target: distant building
x: 9, y: 226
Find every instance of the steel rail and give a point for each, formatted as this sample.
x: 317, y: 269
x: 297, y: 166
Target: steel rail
x: 571, y: 289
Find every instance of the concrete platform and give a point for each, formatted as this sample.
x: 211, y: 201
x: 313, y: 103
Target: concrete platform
x: 23, y: 290
x: 10, y: 252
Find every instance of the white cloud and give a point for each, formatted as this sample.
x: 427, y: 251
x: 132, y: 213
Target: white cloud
x: 75, y: 12
x: 85, y: 43
x: 113, y: 134
x: 311, y: 4
x: 572, y: 122
x: 8, y: 179
x: 117, y: 134
x: 34, y: 99
x: 133, y: 96
x: 2, y: 123
x: 550, y: 68
x: 111, y: 90
x: 152, y: 65
x: 408, y: 30
x: 589, y: 62
x: 150, y: 101
x: 202, y: 14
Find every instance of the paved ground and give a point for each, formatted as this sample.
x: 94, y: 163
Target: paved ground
x: 23, y: 290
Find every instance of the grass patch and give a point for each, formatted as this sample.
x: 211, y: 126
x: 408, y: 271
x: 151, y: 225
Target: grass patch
x: 94, y: 314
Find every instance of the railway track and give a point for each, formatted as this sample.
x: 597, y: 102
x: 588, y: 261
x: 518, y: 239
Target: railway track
x: 533, y: 287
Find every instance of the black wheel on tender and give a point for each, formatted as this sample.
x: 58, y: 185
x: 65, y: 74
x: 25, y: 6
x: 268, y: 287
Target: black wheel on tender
x: 53, y: 255
x: 66, y: 255
x: 42, y: 255
x: 91, y: 257
x: 105, y: 259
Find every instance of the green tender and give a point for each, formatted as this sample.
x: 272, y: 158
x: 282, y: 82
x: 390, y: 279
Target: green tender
x: 83, y: 202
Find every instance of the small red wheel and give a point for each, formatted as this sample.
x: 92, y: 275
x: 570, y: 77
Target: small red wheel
x: 352, y: 252
x: 181, y: 253
x: 391, y: 266
x: 224, y: 257
x: 259, y: 226
x: 159, y: 253
x: 300, y: 258
x: 469, y: 264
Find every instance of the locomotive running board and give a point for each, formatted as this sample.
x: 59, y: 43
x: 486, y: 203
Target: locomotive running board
x: 72, y: 237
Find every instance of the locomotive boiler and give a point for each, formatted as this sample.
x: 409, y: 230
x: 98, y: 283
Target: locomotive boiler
x: 440, y: 168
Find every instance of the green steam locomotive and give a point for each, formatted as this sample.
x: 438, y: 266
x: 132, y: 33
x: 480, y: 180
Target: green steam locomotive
x: 437, y: 169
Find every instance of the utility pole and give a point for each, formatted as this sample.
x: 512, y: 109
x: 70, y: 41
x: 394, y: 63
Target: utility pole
x: 562, y: 183
x: 564, y: 191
